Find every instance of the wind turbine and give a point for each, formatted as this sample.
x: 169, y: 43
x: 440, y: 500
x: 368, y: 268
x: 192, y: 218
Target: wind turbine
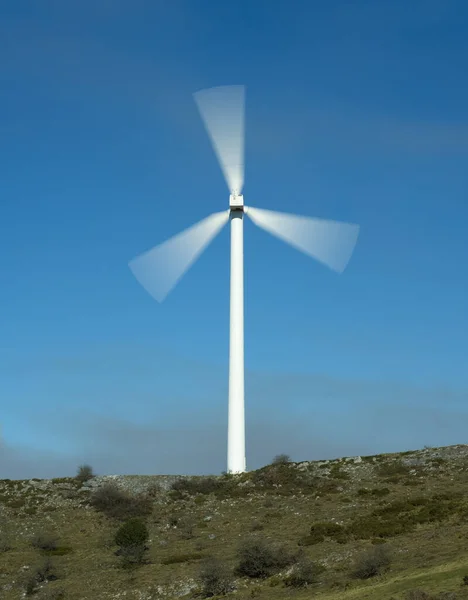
x: 159, y: 269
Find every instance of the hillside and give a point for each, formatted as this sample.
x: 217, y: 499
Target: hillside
x: 377, y: 527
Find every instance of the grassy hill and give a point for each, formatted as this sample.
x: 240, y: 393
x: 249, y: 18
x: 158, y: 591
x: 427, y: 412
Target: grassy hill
x: 387, y: 527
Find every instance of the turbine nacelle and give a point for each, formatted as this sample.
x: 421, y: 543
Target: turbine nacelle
x: 236, y: 201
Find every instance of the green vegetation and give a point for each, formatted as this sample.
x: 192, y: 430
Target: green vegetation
x: 131, y: 538
x: 85, y: 473
x: 115, y: 503
x: 319, y: 532
x: 132, y: 533
x: 373, y: 562
x: 216, y: 578
x: 281, y: 459
x: 259, y: 558
x: 390, y: 527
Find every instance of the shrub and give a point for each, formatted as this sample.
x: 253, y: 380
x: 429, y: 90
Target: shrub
x: 403, y: 516
x: 373, y: 562
x: 392, y: 469
x: 328, y: 486
x: 215, y: 578
x: 45, y: 572
x: 365, y: 528
x: 5, y: 535
x: 85, y: 472
x: 304, y: 573
x: 16, y: 503
x: 284, y: 475
x: 132, y: 533
x: 259, y: 558
x: 44, y: 540
x: 131, y: 538
x: 116, y: 503
x: 30, y: 585
x: 132, y: 555
x: 173, y: 520
x: 321, y: 531
x: 281, y: 459
x: 5, y: 543
x: 337, y: 472
x: 153, y: 490
x: 186, y: 527
x: 203, y: 485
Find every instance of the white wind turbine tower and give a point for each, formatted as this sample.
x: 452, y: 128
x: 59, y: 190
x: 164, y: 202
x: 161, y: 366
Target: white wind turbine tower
x: 159, y: 269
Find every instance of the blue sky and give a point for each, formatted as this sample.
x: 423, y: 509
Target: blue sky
x: 353, y: 112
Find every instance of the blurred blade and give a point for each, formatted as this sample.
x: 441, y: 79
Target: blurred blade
x: 159, y: 269
x: 330, y: 242
x: 222, y: 111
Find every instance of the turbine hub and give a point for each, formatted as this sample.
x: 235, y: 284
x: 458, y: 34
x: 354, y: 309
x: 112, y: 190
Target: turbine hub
x: 236, y: 201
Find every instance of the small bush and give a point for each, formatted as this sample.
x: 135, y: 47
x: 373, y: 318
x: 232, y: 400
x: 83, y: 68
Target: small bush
x: 116, y: 503
x: 30, y: 585
x: 16, y: 503
x: 203, y: 485
x: 132, y: 555
x: 215, y: 578
x: 44, y: 572
x: 304, y: 573
x: 392, y: 469
x: 336, y: 472
x: 283, y: 475
x: 259, y: 558
x: 281, y: 459
x: 154, y: 490
x: 328, y: 486
x: 132, y: 533
x: 321, y: 531
x: 45, y: 540
x: 85, y: 473
x: 5, y: 543
x: 372, y: 563
x: 173, y: 520
x: 5, y: 535
x: 131, y: 538
x: 186, y: 526
x: 365, y: 528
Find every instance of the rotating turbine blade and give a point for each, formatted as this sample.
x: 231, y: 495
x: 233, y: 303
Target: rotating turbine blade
x: 222, y: 111
x: 159, y: 269
x: 330, y: 242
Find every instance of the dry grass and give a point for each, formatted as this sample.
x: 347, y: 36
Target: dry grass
x: 283, y: 503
